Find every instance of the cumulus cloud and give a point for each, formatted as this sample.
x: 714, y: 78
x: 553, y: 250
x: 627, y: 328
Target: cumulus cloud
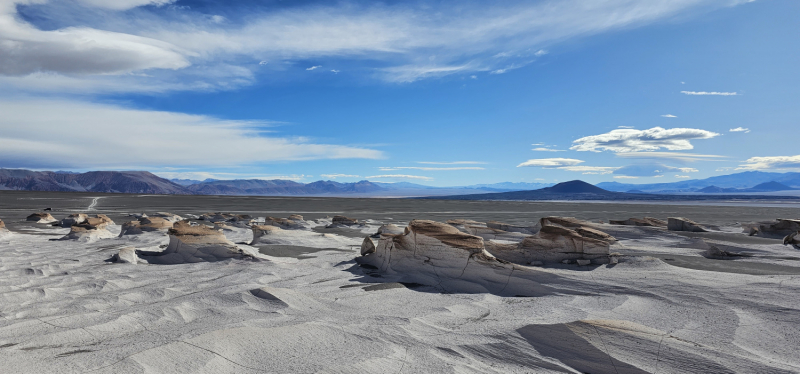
x: 399, y: 176
x: 674, y: 156
x: 71, y: 134
x: 704, y: 93
x: 740, y: 129
x: 334, y: 176
x: 94, y: 37
x: 384, y: 168
x: 669, y: 116
x: 631, y: 140
x: 551, y: 162
x: 771, y: 163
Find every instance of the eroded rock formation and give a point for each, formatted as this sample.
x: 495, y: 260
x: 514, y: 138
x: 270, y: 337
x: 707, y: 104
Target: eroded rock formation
x: 91, y: 229
x: 41, y: 218
x: 189, y: 244
x: 778, y: 228
x: 145, y: 224
x: 74, y: 219
x: 684, y: 224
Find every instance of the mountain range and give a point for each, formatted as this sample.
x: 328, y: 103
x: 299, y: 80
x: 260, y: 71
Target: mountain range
x: 94, y: 181
x: 744, y: 180
x: 580, y: 190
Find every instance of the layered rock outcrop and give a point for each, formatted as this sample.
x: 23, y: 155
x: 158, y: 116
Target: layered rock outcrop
x: 74, y: 219
x: 294, y: 222
x: 41, y: 218
x: 646, y: 221
x: 684, y: 224
x: 145, y: 224
x: 778, y: 228
x: 190, y: 244
x: 342, y: 221
x: 440, y: 255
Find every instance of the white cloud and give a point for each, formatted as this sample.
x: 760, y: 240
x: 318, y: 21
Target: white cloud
x: 452, y: 163
x: 704, y: 93
x: 72, y: 134
x: 650, y: 170
x: 314, y: 67
x: 771, y: 163
x: 542, y: 149
x: 96, y: 39
x: 263, y: 63
x: 688, y: 170
x: 202, y: 175
x: 334, y: 176
x: 624, y: 127
x: 551, y: 162
x: 631, y: 140
x: 669, y: 116
x: 430, y: 168
x: 123, y: 4
x: 740, y: 129
x: 399, y: 176
x: 624, y: 177
x: 725, y: 169
x: 334, y: 71
x: 682, y: 176
x: 590, y: 169
x: 675, y: 156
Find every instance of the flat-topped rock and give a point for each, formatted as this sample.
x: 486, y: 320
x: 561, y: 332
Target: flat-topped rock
x: 41, y: 218
x: 646, y: 221
x: 146, y: 224
x: 778, y: 228
x: 390, y: 229
x: 684, y: 224
x: 556, y: 244
x: 167, y: 216
x: 190, y: 244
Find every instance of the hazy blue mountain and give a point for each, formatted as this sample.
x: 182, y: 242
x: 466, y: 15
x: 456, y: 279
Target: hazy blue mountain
x: 189, y: 182
x: 744, y: 180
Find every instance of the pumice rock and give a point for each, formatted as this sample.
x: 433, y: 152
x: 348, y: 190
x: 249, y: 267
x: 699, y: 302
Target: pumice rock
x: 74, y: 219
x: 41, y: 218
x: 391, y: 229
x: 294, y: 222
x: 793, y: 239
x: 684, y: 224
x: 93, y: 228
x: 342, y: 221
x: 778, y: 228
x: 555, y: 244
x: 189, y: 244
x: 646, y: 221
x: 127, y: 255
x: 440, y: 255
x: 145, y: 224
x: 168, y: 216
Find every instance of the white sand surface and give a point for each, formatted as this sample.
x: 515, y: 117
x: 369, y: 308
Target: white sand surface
x: 64, y: 309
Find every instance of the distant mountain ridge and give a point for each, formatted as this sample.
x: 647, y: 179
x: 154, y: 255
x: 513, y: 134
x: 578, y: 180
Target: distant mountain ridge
x: 93, y: 181
x: 744, y: 180
x: 580, y: 190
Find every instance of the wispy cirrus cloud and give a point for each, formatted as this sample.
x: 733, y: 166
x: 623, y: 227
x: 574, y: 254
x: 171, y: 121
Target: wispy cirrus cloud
x: 426, y: 168
x: 100, y: 42
x: 631, y: 140
x: 669, y: 116
x: 771, y: 163
x: 315, y: 67
x: 740, y: 129
x: 551, y: 162
x: 704, y: 93
x: 651, y: 170
x: 452, y: 163
x: 674, y: 156
x: 599, y: 170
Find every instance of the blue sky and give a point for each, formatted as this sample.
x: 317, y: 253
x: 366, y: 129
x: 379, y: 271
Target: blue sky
x: 439, y: 92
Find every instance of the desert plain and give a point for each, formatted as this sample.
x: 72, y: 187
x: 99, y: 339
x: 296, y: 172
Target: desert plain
x: 205, y: 284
